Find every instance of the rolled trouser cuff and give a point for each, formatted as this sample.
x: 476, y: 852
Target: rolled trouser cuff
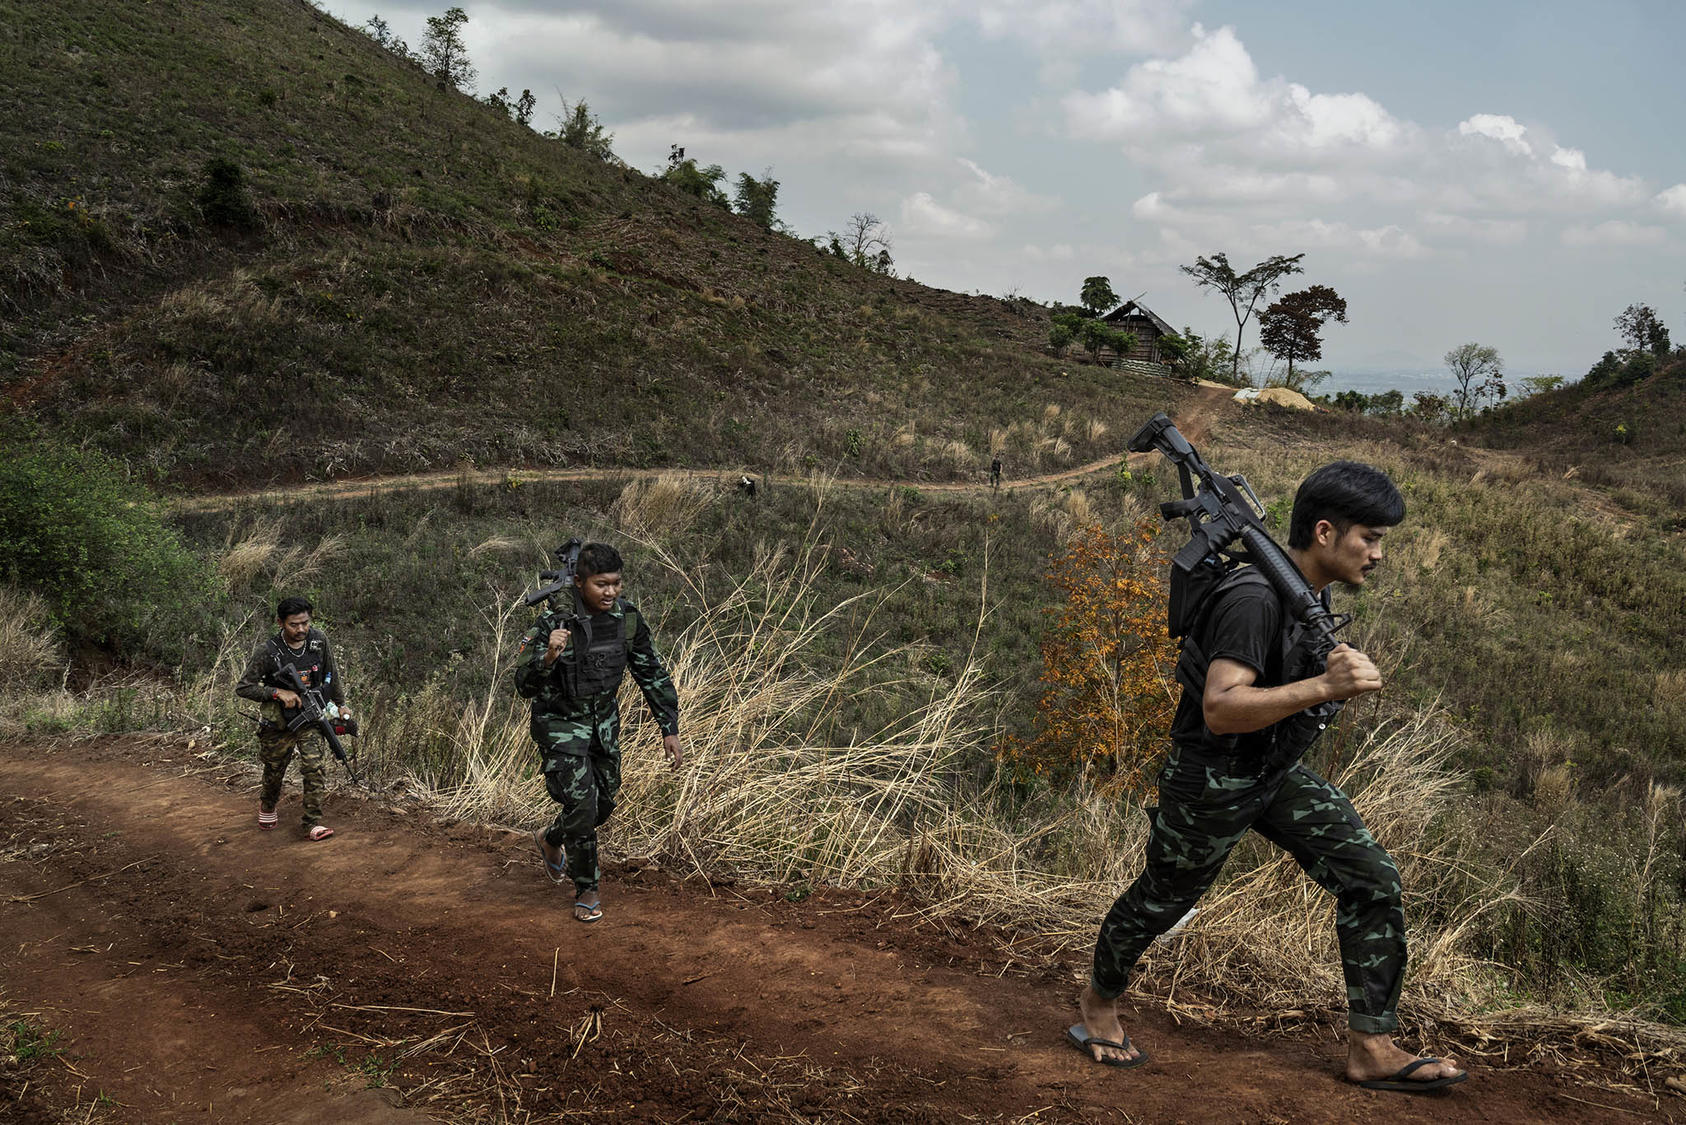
x: 1105, y: 993
x: 1373, y: 1025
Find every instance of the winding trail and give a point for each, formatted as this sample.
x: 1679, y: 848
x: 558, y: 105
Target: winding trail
x: 1193, y: 422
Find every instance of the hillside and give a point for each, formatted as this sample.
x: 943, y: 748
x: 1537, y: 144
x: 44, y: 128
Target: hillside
x: 1629, y: 435
x: 408, y: 280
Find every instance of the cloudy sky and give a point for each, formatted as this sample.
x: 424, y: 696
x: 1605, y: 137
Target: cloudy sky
x: 1491, y: 170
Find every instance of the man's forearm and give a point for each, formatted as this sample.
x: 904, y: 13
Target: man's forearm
x: 1242, y: 708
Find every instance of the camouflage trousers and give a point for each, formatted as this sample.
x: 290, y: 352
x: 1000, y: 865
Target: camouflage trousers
x: 583, y: 776
x: 1203, y: 812
x: 275, y: 751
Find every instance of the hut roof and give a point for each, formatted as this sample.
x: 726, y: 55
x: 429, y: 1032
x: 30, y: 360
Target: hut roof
x: 1130, y: 307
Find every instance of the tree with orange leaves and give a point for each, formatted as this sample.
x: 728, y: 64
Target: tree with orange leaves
x: 1107, y: 662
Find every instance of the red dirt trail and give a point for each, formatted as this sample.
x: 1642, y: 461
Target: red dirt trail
x: 197, y: 969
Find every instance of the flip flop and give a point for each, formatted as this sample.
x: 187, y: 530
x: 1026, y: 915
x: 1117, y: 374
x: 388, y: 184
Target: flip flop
x: 1401, y: 1082
x: 267, y: 820
x: 592, y: 913
x: 558, y: 872
x: 1078, y: 1036
x: 319, y: 832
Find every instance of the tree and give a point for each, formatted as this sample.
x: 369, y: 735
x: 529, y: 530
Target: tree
x: 1106, y: 661
x: 866, y: 242
x: 1291, y: 328
x: 756, y: 199
x: 1097, y: 296
x: 524, y: 108
x: 1479, y: 374
x: 1540, y: 384
x: 704, y: 183
x: 1643, y: 330
x: 579, y: 128
x: 443, y: 51
x: 1242, y: 290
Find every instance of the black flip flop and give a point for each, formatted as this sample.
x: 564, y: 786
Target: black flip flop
x: 1078, y: 1036
x: 1401, y: 1082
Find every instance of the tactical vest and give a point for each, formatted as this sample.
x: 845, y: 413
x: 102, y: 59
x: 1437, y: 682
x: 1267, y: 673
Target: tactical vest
x: 1295, y: 657
x: 597, y: 653
x: 308, y: 662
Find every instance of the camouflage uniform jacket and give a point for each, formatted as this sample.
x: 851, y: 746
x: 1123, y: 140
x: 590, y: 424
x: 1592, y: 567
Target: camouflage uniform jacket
x: 594, y: 717
x: 315, y: 664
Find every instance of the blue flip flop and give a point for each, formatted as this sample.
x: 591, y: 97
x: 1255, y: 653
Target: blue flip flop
x: 1078, y: 1036
x: 592, y: 913
x: 558, y: 872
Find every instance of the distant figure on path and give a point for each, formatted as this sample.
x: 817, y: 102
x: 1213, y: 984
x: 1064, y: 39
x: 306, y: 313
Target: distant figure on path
x: 1250, y: 677
x: 300, y: 647
x: 995, y: 473
x: 570, y: 666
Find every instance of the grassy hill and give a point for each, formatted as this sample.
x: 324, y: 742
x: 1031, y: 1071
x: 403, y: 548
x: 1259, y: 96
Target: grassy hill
x: 407, y: 279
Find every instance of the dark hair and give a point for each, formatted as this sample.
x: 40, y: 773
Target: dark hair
x: 287, y: 607
x: 598, y: 558
x: 1344, y: 493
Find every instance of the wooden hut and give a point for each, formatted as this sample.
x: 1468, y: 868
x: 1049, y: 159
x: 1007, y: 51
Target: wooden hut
x: 1148, y: 329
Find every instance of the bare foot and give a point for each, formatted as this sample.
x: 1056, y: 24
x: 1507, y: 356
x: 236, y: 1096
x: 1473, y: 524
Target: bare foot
x: 1100, y: 1020
x: 1371, y: 1057
x: 588, y: 906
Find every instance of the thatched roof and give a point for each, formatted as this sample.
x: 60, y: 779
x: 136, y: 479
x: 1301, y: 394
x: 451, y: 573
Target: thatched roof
x: 1131, y: 308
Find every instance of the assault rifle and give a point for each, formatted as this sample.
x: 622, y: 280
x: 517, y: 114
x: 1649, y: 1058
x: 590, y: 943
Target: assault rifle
x: 1223, y: 511
x: 312, y: 713
x: 568, y: 554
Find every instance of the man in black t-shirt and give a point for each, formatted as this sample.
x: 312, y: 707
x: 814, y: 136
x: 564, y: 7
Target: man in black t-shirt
x: 1251, y: 684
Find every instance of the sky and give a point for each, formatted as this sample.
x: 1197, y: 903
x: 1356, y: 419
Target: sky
x: 1495, y: 171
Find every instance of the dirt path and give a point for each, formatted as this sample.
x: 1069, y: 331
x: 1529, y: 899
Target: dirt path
x: 199, y: 970
x: 1193, y: 422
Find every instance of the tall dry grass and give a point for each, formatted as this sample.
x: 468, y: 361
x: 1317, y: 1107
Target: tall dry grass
x: 775, y: 788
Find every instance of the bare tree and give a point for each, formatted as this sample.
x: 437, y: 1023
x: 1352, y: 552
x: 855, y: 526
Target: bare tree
x: 866, y: 242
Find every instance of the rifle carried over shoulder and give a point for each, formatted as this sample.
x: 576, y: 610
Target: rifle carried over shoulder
x: 1222, y: 512
x: 311, y: 712
x: 568, y: 554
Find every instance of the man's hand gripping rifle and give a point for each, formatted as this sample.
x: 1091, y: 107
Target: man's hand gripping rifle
x: 312, y: 712
x: 1223, y: 511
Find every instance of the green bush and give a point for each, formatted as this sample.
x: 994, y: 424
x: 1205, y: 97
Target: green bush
x: 93, y: 543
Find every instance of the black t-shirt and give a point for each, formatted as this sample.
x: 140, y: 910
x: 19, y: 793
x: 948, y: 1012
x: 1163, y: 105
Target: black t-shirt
x: 1245, y: 625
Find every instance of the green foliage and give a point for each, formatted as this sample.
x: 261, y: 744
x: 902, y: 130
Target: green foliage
x: 704, y: 183
x: 1643, y: 330
x: 223, y: 196
x: 1097, y: 296
x: 1291, y: 328
x: 443, y: 51
x: 578, y: 128
x: 92, y: 542
x: 1478, y: 372
x: 1382, y: 404
x: 757, y: 200
x: 1242, y: 290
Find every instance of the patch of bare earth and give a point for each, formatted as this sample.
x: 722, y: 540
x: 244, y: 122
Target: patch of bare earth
x: 197, y: 969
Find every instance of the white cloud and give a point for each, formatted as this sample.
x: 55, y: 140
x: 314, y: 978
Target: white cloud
x: 1213, y: 93
x: 1499, y: 127
x: 1058, y: 252
x: 1390, y: 241
x: 1672, y: 200
x: 923, y: 215
x: 1614, y: 232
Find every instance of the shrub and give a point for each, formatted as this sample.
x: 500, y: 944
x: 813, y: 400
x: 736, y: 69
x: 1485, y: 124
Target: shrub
x: 93, y: 544
x: 223, y: 196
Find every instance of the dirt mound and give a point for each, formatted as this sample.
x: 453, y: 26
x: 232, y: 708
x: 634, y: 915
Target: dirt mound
x: 197, y: 969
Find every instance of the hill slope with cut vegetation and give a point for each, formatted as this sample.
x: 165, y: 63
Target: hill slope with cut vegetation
x: 242, y: 243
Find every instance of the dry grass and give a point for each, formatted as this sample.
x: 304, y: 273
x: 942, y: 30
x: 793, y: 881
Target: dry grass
x: 29, y: 645
x: 258, y: 552
x: 664, y: 506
